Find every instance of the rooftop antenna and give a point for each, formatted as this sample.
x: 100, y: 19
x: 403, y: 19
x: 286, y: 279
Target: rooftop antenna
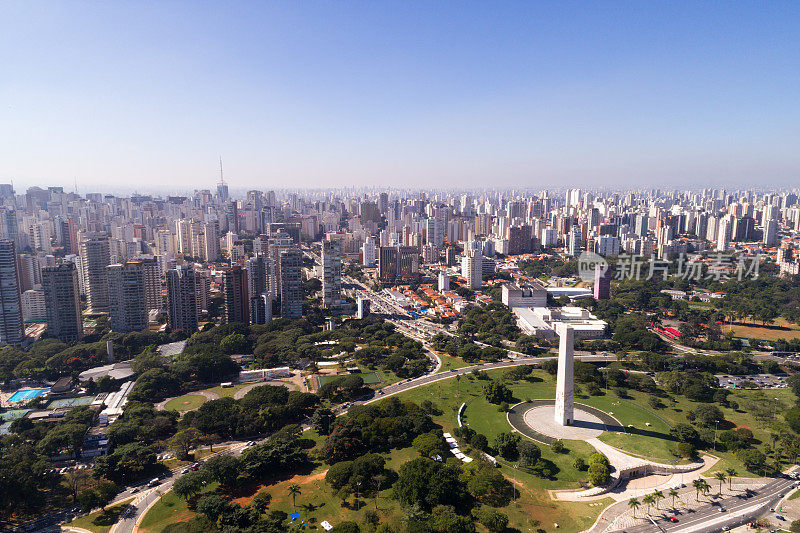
x: 221, y: 180
x: 76, y: 184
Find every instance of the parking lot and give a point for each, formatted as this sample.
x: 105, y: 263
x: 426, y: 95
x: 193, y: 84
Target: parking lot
x: 753, y: 381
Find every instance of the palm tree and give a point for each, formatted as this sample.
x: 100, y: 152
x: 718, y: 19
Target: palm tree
x: 634, y: 504
x: 657, y: 496
x: 721, y: 477
x: 731, y: 472
x: 294, y: 491
x: 674, y: 493
x: 649, y: 500
x: 698, y: 486
x: 705, y: 487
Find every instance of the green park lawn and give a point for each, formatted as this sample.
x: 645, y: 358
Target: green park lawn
x: 101, y: 521
x: 533, y: 507
x: 653, y: 441
x: 187, y: 402
x: 170, y: 509
x: 449, y: 362
x: 228, y: 392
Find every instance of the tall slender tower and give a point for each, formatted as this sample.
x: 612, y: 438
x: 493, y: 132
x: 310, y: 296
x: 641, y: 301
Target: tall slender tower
x: 565, y: 384
x: 331, y: 275
x: 96, y: 257
x: 11, y: 326
x: 291, y: 262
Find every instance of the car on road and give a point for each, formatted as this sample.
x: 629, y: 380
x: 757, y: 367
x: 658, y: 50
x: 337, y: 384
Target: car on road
x: 153, y: 482
x: 726, y: 528
x: 673, y: 519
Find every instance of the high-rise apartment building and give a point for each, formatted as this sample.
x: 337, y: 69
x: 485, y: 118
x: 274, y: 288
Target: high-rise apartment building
x: 63, y: 302
x: 96, y: 258
x: 291, y: 262
x: 11, y: 325
x: 153, y: 294
x: 398, y: 262
x: 331, y: 275
x: 126, y: 297
x: 237, y: 301
x: 472, y: 268
x: 182, y: 299
x: 368, y: 252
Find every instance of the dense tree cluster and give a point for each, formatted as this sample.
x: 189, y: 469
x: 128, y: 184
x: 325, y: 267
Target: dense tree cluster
x: 375, y: 427
x: 466, y: 349
x: 490, y: 324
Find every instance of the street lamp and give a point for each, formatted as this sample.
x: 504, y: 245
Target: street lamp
x: 716, y: 425
x: 775, y: 411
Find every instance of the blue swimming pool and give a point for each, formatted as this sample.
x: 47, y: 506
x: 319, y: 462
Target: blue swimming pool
x: 22, y: 395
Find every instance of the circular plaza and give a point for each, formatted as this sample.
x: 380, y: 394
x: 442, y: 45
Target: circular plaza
x: 536, y: 419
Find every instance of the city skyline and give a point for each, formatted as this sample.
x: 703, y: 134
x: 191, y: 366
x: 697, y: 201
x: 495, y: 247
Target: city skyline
x: 148, y: 97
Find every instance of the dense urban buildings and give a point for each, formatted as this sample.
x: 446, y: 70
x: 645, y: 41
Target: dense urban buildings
x: 250, y: 255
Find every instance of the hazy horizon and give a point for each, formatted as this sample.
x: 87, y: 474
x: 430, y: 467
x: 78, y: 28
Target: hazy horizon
x: 147, y: 97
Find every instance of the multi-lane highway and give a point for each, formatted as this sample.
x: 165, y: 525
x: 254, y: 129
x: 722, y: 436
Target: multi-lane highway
x: 728, y: 512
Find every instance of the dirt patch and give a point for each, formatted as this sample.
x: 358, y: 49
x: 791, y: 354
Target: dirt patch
x: 246, y: 494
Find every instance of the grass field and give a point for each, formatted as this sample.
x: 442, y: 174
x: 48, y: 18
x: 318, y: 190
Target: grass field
x: 370, y: 378
x: 187, y: 402
x: 228, y: 392
x: 170, y: 509
x: 779, y: 329
x: 101, y: 521
x: 449, y: 362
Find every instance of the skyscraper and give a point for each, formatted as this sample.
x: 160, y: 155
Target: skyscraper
x: 11, y: 325
x: 234, y: 288
x: 96, y: 257
x: 126, y: 297
x: 258, y: 289
x: 182, y: 298
x: 291, y: 262
x: 62, y: 297
x: 331, y: 275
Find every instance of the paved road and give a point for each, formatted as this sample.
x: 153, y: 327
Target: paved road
x: 737, y: 510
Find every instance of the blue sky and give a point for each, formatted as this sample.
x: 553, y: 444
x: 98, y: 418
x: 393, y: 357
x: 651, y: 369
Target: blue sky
x: 148, y: 95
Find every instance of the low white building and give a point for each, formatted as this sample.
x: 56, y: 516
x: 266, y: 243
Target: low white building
x: 573, y: 293
x: 264, y: 374
x: 542, y: 321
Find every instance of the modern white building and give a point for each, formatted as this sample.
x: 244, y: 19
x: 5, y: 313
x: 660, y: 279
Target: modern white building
x: 531, y: 295
x: 543, y: 321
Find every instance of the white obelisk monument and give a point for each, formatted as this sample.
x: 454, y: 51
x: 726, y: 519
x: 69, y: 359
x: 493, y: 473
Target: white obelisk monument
x: 565, y: 384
